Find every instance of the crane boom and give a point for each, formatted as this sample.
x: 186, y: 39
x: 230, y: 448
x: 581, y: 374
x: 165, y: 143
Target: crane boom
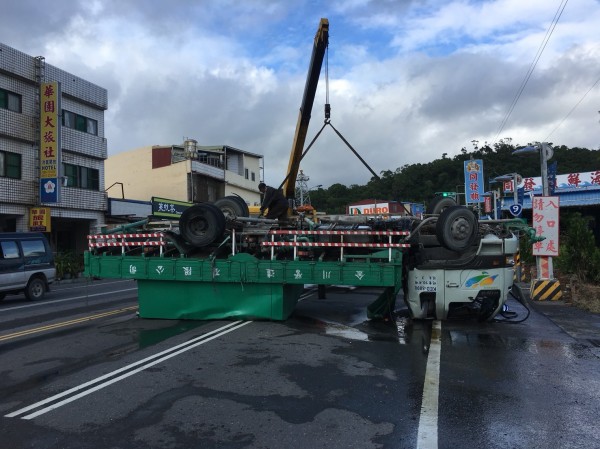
x: 310, y: 89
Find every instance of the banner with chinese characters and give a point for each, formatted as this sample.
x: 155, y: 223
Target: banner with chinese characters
x: 559, y: 182
x: 474, y: 181
x: 50, y: 144
x: 165, y: 208
x: 39, y: 219
x: 545, y: 223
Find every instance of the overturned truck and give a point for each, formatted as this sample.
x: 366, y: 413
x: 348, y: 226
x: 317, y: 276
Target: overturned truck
x: 216, y: 262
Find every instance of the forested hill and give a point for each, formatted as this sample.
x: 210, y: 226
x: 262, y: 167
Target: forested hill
x: 419, y: 182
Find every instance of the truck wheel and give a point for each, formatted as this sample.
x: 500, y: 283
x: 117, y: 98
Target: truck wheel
x: 242, y: 203
x: 202, y: 224
x: 437, y: 205
x: 231, y: 207
x: 456, y: 228
x: 35, y: 289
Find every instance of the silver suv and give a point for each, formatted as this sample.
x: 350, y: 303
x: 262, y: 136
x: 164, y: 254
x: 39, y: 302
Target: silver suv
x: 26, y: 264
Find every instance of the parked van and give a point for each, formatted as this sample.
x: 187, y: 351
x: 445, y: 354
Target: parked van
x: 26, y: 264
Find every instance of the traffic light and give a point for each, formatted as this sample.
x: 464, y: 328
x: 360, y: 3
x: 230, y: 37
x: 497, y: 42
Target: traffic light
x: 447, y: 194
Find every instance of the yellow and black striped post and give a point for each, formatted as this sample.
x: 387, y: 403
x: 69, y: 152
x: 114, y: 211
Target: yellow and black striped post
x: 519, y: 271
x: 546, y: 290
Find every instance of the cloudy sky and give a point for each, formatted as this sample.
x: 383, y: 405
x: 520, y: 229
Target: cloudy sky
x: 408, y: 80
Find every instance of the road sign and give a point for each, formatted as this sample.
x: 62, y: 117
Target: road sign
x: 515, y: 209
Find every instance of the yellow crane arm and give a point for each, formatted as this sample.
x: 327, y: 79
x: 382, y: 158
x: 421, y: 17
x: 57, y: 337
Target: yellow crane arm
x: 310, y: 89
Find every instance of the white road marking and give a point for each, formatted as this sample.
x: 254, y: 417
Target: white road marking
x: 152, y: 360
x: 427, y: 437
x: 57, y: 301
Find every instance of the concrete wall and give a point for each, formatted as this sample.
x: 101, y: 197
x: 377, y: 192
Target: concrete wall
x: 142, y: 182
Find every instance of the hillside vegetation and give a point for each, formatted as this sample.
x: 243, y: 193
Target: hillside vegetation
x: 418, y: 183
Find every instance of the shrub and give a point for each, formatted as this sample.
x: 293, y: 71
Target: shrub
x: 578, y: 252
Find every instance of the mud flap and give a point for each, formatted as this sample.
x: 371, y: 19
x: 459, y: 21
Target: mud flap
x: 384, y: 305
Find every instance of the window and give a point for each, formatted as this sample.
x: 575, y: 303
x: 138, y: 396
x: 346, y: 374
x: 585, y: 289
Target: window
x: 79, y: 122
x: 82, y: 177
x: 253, y: 176
x: 10, y: 165
x: 246, y: 173
x: 10, y: 101
x: 10, y: 250
x: 33, y: 248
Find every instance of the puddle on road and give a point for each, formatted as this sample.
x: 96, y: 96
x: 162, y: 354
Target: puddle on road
x: 145, y: 337
x: 150, y: 337
x: 400, y: 329
x: 340, y: 330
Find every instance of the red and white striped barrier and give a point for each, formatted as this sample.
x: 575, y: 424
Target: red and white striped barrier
x: 334, y: 232
x: 339, y: 244
x: 126, y: 236
x: 126, y: 240
x: 342, y: 244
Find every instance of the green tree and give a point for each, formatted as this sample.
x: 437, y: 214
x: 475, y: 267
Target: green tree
x: 419, y: 182
x: 578, y: 252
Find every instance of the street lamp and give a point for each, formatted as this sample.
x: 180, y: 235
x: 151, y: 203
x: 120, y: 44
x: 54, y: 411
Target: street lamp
x: 546, y: 152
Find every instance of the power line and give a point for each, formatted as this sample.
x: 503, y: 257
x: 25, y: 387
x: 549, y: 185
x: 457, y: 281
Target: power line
x: 572, y: 109
x: 549, y: 32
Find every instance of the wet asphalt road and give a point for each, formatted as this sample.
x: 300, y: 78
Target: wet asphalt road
x: 326, y: 377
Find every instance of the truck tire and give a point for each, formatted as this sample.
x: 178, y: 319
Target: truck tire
x: 35, y: 289
x: 242, y: 203
x: 437, y: 205
x: 232, y: 207
x: 202, y: 224
x: 457, y: 228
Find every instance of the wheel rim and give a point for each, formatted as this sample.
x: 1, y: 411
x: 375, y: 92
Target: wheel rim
x: 198, y: 226
x: 37, y: 289
x: 461, y: 229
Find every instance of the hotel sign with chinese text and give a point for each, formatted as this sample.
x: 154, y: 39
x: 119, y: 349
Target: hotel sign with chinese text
x: 474, y: 181
x: 50, y: 144
x: 545, y: 223
x: 39, y: 219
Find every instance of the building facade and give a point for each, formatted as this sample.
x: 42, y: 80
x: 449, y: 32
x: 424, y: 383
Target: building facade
x: 185, y: 172
x: 71, y: 203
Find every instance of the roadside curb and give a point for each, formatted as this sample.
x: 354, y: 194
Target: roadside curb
x: 77, y: 280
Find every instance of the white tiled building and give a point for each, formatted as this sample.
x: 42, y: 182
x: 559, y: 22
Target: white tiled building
x: 81, y: 203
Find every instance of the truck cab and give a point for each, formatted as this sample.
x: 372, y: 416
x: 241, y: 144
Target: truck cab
x: 441, y: 283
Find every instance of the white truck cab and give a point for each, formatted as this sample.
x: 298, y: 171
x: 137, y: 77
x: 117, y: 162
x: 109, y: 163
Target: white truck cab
x: 479, y: 280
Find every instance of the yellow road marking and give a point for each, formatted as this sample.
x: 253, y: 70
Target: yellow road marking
x: 65, y: 323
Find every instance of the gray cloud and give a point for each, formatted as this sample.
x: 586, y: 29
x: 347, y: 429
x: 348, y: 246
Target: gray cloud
x: 408, y: 81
